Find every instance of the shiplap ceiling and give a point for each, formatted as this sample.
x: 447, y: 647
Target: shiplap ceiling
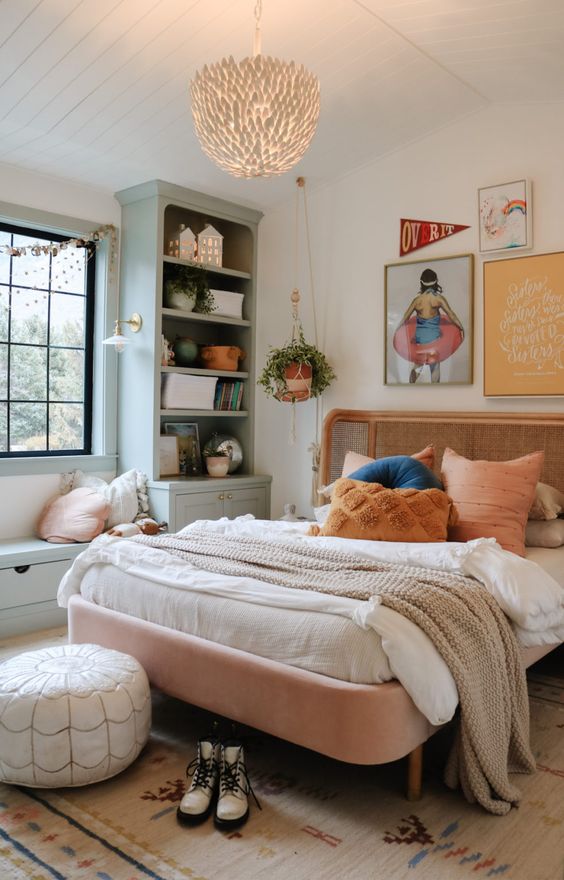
x: 97, y: 91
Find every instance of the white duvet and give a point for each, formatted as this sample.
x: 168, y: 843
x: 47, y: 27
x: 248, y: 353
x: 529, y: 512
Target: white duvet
x: 530, y: 597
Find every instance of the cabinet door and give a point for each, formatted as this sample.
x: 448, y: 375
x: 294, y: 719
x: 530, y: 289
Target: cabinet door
x: 198, y: 505
x: 241, y: 501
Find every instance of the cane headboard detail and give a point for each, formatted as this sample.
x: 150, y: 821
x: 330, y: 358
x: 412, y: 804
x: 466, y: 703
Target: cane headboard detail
x: 490, y: 436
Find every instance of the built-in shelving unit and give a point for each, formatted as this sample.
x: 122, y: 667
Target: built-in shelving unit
x: 151, y: 215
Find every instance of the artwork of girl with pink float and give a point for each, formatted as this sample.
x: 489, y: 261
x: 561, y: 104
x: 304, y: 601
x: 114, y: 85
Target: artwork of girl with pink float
x: 429, y: 334
x: 505, y: 216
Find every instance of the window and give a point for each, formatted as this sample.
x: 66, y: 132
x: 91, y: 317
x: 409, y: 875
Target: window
x: 46, y: 331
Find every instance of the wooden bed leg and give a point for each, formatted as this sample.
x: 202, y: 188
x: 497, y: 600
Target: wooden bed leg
x: 414, y: 773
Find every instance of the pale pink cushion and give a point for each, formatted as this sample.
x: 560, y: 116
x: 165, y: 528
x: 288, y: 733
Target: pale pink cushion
x: 74, y: 518
x: 492, y: 497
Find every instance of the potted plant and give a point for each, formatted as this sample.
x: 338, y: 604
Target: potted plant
x: 295, y: 372
x: 217, y: 462
x: 187, y: 288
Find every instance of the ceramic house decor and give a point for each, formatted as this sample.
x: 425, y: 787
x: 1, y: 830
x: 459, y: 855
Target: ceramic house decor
x: 210, y: 246
x: 187, y: 244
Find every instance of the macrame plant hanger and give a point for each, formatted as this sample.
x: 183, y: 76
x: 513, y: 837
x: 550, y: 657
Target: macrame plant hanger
x: 297, y: 335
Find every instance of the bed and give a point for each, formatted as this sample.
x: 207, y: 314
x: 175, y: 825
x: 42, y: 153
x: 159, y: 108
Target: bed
x: 349, y: 721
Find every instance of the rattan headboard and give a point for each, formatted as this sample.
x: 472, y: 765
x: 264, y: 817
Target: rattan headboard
x: 493, y: 436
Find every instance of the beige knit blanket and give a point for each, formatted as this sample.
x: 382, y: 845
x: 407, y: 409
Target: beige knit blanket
x: 463, y: 621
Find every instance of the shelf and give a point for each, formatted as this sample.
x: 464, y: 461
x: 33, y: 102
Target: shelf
x: 217, y: 270
x: 201, y: 413
x: 197, y: 371
x: 180, y: 315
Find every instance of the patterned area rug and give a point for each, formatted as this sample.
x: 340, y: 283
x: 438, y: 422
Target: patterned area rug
x: 320, y: 820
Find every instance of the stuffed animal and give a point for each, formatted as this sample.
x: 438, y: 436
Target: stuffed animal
x: 144, y: 526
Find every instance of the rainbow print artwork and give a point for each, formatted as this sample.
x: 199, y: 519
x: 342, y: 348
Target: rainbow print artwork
x: 504, y: 213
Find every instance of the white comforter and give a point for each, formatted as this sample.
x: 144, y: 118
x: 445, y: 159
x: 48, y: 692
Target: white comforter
x: 532, y: 599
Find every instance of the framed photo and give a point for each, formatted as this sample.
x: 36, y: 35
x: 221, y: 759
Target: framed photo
x: 168, y: 456
x: 505, y: 216
x: 188, y: 446
x: 429, y: 321
x: 524, y: 326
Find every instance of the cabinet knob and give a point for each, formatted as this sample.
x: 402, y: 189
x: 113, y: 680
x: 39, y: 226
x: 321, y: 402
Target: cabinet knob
x: 221, y: 497
x: 230, y: 497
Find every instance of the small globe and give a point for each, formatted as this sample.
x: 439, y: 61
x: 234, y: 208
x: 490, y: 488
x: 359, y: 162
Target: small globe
x: 226, y: 443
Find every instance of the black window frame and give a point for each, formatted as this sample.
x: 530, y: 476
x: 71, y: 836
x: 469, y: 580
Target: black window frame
x: 90, y: 287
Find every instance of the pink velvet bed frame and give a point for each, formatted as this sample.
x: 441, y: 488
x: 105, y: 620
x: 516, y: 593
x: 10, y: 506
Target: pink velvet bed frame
x: 362, y: 724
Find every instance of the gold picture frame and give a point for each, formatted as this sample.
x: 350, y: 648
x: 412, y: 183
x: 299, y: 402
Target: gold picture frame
x: 524, y: 326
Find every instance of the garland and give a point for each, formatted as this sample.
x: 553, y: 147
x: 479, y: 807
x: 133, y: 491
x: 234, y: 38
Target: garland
x: 53, y: 248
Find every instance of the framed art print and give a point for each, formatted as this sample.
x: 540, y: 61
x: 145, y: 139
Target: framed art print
x: 429, y: 321
x: 188, y: 446
x: 524, y: 326
x: 505, y: 216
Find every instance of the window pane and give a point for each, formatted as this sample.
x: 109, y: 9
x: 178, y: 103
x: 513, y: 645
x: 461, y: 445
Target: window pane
x: 4, y: 313
x: 29, y: 270
x: 4, y: 258
x: 28, y: 373
x: 66, y: 426
x: 67, y: 270
x: 3, y: 372
x: 28, y: 427
x: 67, y: 319
x: 29, y: 316
x: 3, y: 427
x: 66, y: 374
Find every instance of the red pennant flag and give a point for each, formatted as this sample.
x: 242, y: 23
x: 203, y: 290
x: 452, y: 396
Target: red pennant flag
x: 415, y: 234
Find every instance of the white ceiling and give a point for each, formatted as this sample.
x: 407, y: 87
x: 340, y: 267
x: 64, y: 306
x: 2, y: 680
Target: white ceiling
x: 97, y: 91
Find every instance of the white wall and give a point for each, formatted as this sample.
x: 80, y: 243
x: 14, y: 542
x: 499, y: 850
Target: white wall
x: 355, y: 232
x: 23, y: 497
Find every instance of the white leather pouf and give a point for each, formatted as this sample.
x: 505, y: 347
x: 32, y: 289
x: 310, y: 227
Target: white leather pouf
x: 71, y: 715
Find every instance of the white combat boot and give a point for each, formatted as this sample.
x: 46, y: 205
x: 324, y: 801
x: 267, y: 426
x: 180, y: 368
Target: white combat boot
x: 198, y: 802
x: 232, y: 807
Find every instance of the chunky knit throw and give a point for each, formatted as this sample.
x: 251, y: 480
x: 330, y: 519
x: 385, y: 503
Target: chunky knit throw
x: 463, y: 621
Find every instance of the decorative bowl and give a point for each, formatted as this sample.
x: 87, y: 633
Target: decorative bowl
x: 221, y: 357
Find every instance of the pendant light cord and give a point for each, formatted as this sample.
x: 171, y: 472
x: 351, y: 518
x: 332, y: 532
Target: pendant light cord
x: 257, y: 41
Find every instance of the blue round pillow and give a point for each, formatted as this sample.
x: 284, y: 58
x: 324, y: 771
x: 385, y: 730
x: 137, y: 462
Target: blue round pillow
x: 398, y: 472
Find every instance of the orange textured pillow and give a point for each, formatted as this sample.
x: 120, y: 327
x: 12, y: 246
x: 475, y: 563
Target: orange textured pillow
x: 492, y: 497
x: 369, y: 512
x: 73, y: 518
x: 353, y: 460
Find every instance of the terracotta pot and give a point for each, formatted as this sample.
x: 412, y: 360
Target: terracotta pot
x: 217, y: 466
x: 298, y: 383
x: 221, y: 357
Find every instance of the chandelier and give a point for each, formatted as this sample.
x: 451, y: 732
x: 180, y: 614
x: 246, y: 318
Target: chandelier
x: 255, y: 118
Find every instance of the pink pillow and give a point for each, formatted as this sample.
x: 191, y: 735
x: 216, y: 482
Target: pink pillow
x: 73, y: 518
x: 353, y: 460
x: 492, y: 497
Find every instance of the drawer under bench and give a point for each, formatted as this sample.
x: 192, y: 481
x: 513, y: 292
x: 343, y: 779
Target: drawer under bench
x: 30, y: 573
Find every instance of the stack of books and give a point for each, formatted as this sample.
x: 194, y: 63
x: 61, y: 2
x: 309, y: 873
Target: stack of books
x: 228, y: 395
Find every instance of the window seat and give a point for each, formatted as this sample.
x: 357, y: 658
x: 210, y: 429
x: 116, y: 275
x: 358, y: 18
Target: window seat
x: 30, y: 573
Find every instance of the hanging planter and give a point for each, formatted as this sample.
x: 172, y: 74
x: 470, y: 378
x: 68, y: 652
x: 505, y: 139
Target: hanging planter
x: 296, y: 372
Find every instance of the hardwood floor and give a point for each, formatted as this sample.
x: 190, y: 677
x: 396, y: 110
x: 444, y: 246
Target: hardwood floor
x: 43, y: 638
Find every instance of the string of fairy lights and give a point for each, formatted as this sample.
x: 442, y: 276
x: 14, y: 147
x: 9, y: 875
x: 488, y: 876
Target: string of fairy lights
x: 66, y: 254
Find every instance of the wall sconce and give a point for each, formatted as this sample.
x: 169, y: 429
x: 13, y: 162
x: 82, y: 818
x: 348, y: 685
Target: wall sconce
x: 118, y: 339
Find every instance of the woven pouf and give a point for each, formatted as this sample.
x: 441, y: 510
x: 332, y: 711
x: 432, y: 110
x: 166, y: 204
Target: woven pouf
x: 71, y: 715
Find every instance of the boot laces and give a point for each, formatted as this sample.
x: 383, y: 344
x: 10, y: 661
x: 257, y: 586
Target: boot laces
x: 202, y: 770
x: 234, y: 778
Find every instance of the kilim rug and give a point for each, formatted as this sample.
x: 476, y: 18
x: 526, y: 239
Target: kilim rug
x: 320, y: 819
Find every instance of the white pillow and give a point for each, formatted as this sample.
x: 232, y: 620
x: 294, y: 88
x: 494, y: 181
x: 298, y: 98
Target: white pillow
x: 126, y: 495
x: 544, y: 533
x: 547, y: 503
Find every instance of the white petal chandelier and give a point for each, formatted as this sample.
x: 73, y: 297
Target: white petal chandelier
x: 255, y: 118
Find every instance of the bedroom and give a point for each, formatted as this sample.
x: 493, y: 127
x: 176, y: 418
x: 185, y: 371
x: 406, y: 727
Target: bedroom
x: 405, y: 131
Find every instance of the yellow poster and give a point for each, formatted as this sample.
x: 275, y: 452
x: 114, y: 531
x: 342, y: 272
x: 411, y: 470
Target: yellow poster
x: 524, y: 326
